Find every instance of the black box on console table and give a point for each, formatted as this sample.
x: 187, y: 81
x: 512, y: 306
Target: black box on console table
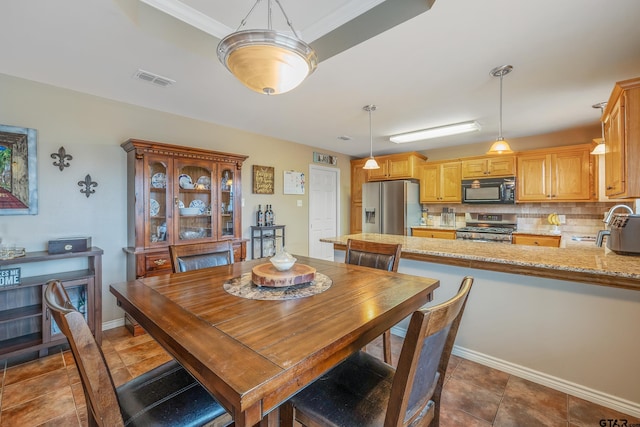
x: 69, y: 244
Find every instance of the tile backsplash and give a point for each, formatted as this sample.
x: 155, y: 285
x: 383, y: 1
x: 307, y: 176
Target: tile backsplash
x: 581, y: 218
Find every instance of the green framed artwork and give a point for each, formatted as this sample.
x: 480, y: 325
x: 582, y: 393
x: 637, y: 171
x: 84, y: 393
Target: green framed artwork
x: 18, y: 169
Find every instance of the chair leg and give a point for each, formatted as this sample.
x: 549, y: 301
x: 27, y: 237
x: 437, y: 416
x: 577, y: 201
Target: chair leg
x: 286, y: 415
x: 386, y: 346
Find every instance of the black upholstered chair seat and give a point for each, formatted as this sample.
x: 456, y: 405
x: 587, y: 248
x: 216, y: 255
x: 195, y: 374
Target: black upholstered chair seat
x: 169, y: 396
x: 165, y: 396
x: 363, y: 391
x: 355, y: 393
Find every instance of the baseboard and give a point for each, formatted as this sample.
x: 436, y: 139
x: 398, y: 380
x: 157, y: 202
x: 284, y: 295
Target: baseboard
x: 577, y: 390
x: 112, y: 324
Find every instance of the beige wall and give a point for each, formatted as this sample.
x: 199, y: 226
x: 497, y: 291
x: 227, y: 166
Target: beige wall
x: 91, y: 129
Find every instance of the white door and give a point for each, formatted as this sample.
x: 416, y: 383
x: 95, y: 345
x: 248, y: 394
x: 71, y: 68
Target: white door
x: 324, y: 209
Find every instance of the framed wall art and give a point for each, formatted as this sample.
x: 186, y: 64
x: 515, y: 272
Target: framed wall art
x: 262, y: 179
x: 18, y: 169
x: 325, y: 158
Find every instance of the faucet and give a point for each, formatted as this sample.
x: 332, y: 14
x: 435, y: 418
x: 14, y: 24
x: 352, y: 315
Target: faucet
x: 607, y: 219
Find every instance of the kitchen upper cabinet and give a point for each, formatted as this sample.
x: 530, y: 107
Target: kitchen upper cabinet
x: 440, y: 182
x: 396, y: 166
x: 358, y: 177
x: 621, y: 120
x: 558, y: 174
x: 484, y: 167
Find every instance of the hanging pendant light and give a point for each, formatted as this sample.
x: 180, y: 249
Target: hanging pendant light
x: 371, y: 162
x: 267, y: 61
x: 600, y: 148
x: 500, y: 146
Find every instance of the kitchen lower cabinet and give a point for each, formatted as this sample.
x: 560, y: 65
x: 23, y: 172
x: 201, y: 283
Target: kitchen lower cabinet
x: 559, y: 174
x: 433, y: 233
x: 621, y: 121
x: 536, y: 240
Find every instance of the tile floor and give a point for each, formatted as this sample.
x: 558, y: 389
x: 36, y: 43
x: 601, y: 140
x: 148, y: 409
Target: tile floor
x: 47, y: 391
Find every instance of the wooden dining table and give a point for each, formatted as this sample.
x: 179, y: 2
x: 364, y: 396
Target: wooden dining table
x: 251, y: 354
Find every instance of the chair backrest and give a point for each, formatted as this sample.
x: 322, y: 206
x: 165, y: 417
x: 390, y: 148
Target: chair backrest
x: 98, y: 386
x: 417, y: 383
x: 383, y: 256
x: 200, y: 255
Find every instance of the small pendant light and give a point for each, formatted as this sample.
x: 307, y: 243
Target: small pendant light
x: 600, y: 148
x: 500, y: 146
x: 371, y: 162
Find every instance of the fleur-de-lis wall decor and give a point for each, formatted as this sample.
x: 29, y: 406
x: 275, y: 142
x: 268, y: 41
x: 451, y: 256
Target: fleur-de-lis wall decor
x: 63, y: 159
x: 87, y: 185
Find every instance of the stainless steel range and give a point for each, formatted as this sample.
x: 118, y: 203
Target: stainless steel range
x: 496, y: 228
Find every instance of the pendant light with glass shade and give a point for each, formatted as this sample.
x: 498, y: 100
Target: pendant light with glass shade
x: 600, y: 148
x: 267, y: 61
x: 500, y: 146
x: 371, y: 162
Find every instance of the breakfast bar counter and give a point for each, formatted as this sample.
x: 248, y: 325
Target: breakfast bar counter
x: 594, y: 265
x: 534, y: 311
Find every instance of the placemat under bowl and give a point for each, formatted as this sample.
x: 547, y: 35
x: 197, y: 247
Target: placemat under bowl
x: 268, y: 275
x: 243, y: 287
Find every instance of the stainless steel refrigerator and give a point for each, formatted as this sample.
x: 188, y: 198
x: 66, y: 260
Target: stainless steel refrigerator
x: 390, y: 207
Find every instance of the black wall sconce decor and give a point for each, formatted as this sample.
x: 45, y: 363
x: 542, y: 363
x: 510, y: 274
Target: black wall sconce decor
x: 63, y: 159
x: 87, y: 185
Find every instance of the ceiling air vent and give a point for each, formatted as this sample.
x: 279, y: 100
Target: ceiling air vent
x: 156, y: 79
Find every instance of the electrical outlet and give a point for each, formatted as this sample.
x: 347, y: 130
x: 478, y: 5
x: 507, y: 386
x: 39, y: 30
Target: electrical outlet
x: 299, y: 203
x: 563, y: 219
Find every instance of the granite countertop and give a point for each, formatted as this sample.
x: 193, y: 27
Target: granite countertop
x: 594, y: 265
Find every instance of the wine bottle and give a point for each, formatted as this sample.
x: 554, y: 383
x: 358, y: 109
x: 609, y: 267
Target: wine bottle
x: 260, y: 217
x: 268, y: 220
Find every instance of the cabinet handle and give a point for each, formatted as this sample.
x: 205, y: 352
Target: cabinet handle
x: 176, y: 201
x: 609, y: 187
x: 160, y: 262
x: 536, y: 243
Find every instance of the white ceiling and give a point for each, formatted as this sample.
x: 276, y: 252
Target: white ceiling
x: 430, y: 70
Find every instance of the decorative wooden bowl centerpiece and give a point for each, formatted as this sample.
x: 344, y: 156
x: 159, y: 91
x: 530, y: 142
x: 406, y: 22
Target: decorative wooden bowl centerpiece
x: 282, y: 271
x: 268, y: 275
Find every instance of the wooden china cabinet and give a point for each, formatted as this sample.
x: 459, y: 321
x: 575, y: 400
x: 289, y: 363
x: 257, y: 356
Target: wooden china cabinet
x: 178, y: 195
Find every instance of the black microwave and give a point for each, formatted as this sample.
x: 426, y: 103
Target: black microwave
x: 489, y: 190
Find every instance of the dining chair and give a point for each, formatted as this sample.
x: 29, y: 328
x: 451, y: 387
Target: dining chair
x: 195, y: 256
x: 383, y: 256
x: 363, y: 391
x: 165, y: 396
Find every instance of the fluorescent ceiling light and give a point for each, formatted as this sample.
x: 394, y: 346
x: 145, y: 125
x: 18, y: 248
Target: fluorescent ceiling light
x: 436, y: 132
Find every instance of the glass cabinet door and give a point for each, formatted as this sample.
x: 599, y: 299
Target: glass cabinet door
x: 227, y: 210
x: 194, y: 202
x: 157, y: 201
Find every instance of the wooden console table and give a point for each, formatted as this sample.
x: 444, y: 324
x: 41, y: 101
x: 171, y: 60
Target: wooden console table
x: 25, y: 323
